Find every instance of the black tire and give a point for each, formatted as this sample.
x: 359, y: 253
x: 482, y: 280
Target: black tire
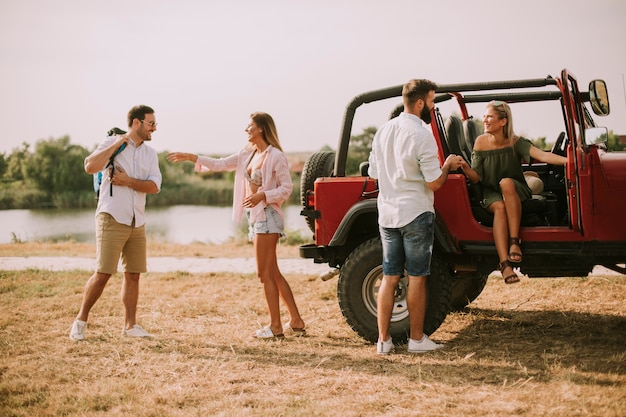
x: 466, y: 287
x: 318, y: 165
x: 357, y: 291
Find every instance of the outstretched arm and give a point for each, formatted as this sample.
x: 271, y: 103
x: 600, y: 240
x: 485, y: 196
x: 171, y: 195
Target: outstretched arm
x: 547, y: 157
x: 181, y: 156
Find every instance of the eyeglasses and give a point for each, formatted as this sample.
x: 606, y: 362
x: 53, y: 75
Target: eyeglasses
x: 497, y: 103
x: 153, y: 124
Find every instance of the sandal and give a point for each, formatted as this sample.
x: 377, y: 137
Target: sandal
x: 294, y: 331
x: 266, y: 333
x: 509, y: 279
x: 515, y: 257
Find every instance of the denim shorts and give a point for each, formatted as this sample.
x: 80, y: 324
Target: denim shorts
x: 410, y: 246
x: 273, y: 223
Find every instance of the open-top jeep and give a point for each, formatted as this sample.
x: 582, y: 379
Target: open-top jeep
x: 576, y: 223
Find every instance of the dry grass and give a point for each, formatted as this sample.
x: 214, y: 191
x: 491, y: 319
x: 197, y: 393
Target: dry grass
x: 554, y: 347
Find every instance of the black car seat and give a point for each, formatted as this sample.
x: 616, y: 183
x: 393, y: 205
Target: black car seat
x: 471, y: 132
x: 456, y: 138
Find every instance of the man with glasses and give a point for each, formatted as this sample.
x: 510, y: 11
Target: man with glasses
x: 120, y: 216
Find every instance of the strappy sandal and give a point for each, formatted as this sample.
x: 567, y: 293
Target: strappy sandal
x: 515, y: 257
x: 509, y: 279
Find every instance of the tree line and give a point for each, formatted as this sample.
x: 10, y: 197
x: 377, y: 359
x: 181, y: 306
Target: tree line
x: 52, y: 175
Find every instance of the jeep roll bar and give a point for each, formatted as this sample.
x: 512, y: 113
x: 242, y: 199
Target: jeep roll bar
x: 396, y: 91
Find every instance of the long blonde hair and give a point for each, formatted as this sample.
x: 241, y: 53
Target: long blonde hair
x: 265, y: 122
x: 504, y: 112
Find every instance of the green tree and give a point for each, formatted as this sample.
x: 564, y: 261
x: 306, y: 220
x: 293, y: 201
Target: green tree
x: 359, y: 150
x: 3, y: 164
x: 613, y: 143
x: 56, y: 167
x: 541, y: 143
x: 15, y: 163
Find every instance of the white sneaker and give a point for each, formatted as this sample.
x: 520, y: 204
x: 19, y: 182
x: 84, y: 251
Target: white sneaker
x: 384, y: 347
x: 78, y: 330
x: 136, y: 331
x: 424, y: 345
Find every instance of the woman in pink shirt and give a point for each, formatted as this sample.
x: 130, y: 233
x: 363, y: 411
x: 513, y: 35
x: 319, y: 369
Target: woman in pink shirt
x: 262, y: 184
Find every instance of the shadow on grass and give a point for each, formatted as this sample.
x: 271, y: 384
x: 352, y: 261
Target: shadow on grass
x: 498, y: 346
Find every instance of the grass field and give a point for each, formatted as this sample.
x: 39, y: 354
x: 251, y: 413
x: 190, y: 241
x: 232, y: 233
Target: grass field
x: 545, y: 347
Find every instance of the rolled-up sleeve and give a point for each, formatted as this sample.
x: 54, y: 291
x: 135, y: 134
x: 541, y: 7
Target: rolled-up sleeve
x: 154, y: 174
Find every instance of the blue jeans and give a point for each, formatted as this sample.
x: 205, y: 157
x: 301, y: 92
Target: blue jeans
x: 410, y: 246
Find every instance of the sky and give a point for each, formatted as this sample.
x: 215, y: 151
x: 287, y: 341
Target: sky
x: 75, y: 67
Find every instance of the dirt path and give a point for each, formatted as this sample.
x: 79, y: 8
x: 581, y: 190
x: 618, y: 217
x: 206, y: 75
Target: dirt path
x: 163, y: 264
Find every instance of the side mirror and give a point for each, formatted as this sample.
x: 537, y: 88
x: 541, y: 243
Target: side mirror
x: 596, y: 135
x: 599, y: 97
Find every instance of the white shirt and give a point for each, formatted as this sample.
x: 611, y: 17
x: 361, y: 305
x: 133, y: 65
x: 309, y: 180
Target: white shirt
x: 126, y: 204
x: 277, y: 184
x: 404, y: 158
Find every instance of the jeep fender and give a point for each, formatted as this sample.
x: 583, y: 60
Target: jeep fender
x: 357, y: 216
x: 443, y: 238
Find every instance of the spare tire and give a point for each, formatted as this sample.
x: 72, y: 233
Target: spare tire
x: 318, y: 165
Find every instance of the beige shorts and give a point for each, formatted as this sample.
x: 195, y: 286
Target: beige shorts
x: 113, y: 239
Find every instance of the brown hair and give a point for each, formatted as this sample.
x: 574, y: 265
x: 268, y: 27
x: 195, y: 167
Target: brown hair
x: 417, y: 89
x: 265, y: 122
x: 138, y: 112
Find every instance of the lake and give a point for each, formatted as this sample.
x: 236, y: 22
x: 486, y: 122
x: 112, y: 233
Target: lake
x: 176, y: 224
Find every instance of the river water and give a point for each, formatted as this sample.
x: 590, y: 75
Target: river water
x: 176, y: 224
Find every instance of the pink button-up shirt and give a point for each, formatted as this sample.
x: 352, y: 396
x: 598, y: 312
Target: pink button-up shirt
x: 277, y: 184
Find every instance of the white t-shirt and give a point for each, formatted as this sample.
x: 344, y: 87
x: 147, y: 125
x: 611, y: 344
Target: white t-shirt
x: 404, y: 158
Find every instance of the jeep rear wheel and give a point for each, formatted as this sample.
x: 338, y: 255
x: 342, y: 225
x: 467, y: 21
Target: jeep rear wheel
x: 318, y: 165
x: 357, y: 290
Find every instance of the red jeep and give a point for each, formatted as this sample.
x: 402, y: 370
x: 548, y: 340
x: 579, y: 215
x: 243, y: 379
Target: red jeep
x: 577, y: 222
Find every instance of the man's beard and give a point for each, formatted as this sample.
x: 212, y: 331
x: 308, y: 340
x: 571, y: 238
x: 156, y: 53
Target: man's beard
x: 425, y: 115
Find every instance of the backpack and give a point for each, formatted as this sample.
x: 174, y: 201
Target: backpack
x: 97, y: 177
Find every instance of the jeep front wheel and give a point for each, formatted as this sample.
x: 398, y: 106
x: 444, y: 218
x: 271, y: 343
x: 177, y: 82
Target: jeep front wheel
x: 357, y: 290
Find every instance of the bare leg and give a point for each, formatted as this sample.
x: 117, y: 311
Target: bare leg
x: 265, y: 250
x: 92, y: 292
x: 295, y: 320
x: 501, y: 234
x: 513, y: 212
x: 416, y: 301
x: 500, y: 229
x: 130, y: 295
x: 385, y: 305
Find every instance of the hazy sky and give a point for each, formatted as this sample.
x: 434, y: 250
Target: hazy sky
x: 75, y: 67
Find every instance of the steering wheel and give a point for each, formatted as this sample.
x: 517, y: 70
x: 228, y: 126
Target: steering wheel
x: 560, y: 146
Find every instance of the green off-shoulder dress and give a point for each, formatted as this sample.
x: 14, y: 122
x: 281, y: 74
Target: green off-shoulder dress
x: 495, y: 164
